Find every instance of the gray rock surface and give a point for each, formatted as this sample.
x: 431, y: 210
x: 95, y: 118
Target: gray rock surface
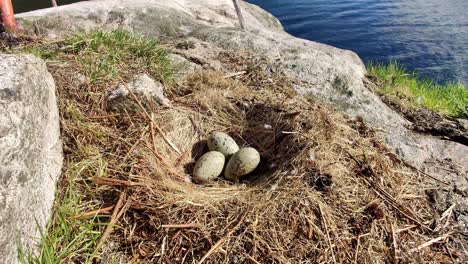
x: 30, y: 152
x: 333, y: 75
x: 182, y: 66
x: 143, y: 86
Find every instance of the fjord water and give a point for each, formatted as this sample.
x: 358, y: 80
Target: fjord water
x: 429, y: 36
x: 28, y: 5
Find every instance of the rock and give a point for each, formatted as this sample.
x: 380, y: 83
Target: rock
x: 120, y: 100
x: 30, y: 152
x: 222, y: 142
x: 80, y: 79
x: 242, y: 163
x: 182, y: 66
x: 209, y: 166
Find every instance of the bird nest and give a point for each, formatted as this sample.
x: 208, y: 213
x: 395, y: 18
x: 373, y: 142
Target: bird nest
x: 327, y: 189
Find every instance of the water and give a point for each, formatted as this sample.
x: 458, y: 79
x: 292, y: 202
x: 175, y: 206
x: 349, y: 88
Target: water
x: 28, y: 5
x: 429, y: 36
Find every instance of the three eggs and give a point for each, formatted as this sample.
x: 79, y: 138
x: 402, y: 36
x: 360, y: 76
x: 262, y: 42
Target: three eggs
x: 240, y: 162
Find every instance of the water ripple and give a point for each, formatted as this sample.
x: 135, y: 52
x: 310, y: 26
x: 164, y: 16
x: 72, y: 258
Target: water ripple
x: 430, y: 36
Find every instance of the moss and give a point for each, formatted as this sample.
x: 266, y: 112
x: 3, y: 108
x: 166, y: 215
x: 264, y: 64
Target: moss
x: 449, y: 99
x: 341, y: 84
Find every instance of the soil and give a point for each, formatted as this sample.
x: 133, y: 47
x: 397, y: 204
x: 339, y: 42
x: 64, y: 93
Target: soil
x: 429, y: 122
x: 8, y: 41
x: 426, y: 121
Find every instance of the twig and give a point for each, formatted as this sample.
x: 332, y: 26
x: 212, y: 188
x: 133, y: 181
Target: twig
x: 447, y: 212
x: 180, y: 226
x: 150, y: 118
x: 387, y: 197
x: 405, y: 229
x: 239, y: 13
x: 153, y: 138
x: 182, y: 158
x: 113, y: 182
x: 446, y: 215
x: 394, y: 244
x: 430, y: 242
x: 213, y: 249
x: 105, y: 210
x: 105, y: 116
x: 115, y: 215
x: 390, y: 200
x: 427, y: 175
x: 289, y: 132
x: 222, y: 240
x: 252, y: 259
x: 328, y: 234
x: 422, y: 172
x: 234, y: 74
x: 168, y: 165
x: 357, y: 248
x: 200, y: 132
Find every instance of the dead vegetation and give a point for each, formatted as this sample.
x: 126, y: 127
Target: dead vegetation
x: 327, y: 189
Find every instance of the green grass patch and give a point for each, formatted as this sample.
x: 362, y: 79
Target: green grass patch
x: 66, y: 239
x: 450, y: 99
x: 108, y: 55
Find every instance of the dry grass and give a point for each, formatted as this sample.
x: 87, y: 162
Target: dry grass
x: 327, y: 189
x: 322, y: 186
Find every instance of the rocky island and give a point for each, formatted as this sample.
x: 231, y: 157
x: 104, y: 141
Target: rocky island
x: 105, y: 106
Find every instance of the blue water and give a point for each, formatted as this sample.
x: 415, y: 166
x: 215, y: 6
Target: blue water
x: 28, y: 5
x: 429, y: 36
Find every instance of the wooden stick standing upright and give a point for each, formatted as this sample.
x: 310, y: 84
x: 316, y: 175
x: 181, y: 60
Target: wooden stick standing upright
x: 54, y: 3
x: 239, y: 13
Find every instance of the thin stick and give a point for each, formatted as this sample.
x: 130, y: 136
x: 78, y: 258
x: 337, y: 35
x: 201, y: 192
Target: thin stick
x: 394, y: 244
x: 446, y: 215
x: 234, y: 74
x: 182, y: 158
x: 110, y: 226
x: 153, y: 138
x: 430, y: 242
x: 222, y: 240
x: 213, y: 249
x: 427, y: 175
x: 105, y: 210
x: 252, y: 259
x: 239, y: 13
x: 328, y: 234
x: 180, y: 226
x: 405, y: 229
x: 168, y: 165
x: 200, y: 132
x: 105, y: 116
x: 357, y: 248
x: 113, y: 182
x: 54, y: 3
x: 151, y: 119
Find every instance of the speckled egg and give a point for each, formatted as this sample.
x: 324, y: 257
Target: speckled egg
x: 209, y: 166
x: 243, y: 162
x: 222, y: 142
